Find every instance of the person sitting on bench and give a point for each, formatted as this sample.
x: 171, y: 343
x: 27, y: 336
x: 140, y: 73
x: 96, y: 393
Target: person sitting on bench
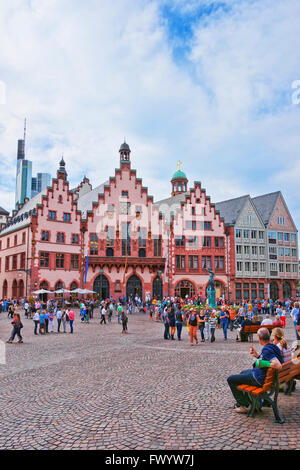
x: 241, y: 335
x: 255, y: 376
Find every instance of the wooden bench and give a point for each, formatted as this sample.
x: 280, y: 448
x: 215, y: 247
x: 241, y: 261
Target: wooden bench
x: 268, y: 393
x: 250, y: 329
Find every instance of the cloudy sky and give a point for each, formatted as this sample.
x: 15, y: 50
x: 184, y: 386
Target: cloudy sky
x: 206, y: 82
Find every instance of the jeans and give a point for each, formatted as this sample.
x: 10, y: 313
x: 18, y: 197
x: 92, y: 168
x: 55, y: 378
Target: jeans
x: 103, y: 319
x: 58, y: 324
x: 212, y: 333
x: 167, y: 331
x: 179, y: 329
x: 201, y: 328
x: 36, y: 323
x: 15, y: 331
x: 245, y: 377
x: 224, y: 325
x: 207, y: 329
x: 71, y: 326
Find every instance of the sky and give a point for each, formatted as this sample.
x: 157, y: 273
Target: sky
x: 214, y: 84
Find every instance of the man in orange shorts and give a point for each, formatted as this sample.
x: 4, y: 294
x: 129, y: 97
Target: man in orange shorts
x: 193, y: 323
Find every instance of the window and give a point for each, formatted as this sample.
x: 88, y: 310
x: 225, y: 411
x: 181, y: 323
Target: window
x: 93, y: 244
x: 239, y: 266
x: 191, y: 225
x: 288, y: 268
x: 74, y: 261
x: 254, y: 250
x: 180, y: 241
x: 238, y: 233
x: 287, y: 252
x: 261, y: 235
x: 193, y: 262
x: 253, y: 234
x: 6, y: 263
x: 261, y: 291
x: 206, y: 262
x: 293, y: 237
x: 45, y: 236
x: 193, y: 211
x: 8, y: 243
x: 246, y: 233
x: 207, y: 225
x: 157, y: 246
x: 219, y: 262
x: 22, y: 264
x: 126, y: 239
x: 246, y: 291
x: 182, y: 262
x: 273, y: 250
x: 238, y: 291
x: 60, y: 199
x: 254, y: 267
x: 44, y: 259
x: 52, y: 215
x: 60, y: 237
x: 16, y: 240
x: 280, y: 236
x: 193, y: 242
x: 15, y: 261
x: 219, y: 242
x: 280, y: 251
x: 206, y: 241
x: 249, y: 219
x: 60, y: 260
x: 262, y: 267
x: 238, y: 249
x: 124, y: 193
x: 281, y: 220
x: 110, y: 208
x: 272, y: 235
x: 286, y: 237
x: 294, y: 252
x: 67, y: 217
x: 142, y: 237
x: 281, y: 267
x: 110, y: 234
x: 261, y: 250
x: 295, y: 270
x: 75, y: 239
x: 247, y: 250
x: 247, y: 266
x: 177, y: 261
x: 23, y: 237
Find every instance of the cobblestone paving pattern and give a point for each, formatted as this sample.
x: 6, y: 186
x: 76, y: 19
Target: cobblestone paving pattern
x: 99, y: 389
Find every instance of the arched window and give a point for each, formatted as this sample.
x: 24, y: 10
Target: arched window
x: 73, y: 286
x: 14, y: 288
x: 142, y: 253
x: 185, y: 288
x: 58, y: 285
x: 4, y: 289
x: 287, y: 290
x: 21, y: 289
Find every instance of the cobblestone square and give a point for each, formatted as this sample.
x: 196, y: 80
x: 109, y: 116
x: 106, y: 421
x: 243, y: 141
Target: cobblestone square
x: 100, y: 389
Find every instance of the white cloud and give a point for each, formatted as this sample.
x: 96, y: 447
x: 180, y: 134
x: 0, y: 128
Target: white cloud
x: 86, y: 74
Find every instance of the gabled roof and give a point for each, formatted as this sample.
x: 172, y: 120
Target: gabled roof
x: 231, y: 209
x: 23, y: 216
x: 265, y: 205
x: 85, y: 202
x: 3, y: 211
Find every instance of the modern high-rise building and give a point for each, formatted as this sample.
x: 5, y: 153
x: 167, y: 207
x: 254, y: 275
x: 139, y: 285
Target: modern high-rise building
x: 39, y: 183
x: 24, y: 175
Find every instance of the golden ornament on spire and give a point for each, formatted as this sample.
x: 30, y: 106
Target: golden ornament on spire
x: 179, y: 165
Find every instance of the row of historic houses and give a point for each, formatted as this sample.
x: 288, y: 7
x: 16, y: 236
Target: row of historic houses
x: 115, y: 240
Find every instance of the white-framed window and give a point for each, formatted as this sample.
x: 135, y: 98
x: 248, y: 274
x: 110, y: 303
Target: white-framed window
x: 262, y: 267
x: 239, y: 266
x: 238, y: 249
x: 254, y: 267
x: 247, y: 250
x: 280, y: 251
x: 261, y: 250
x: 247, y: 266
x: 254, y: 250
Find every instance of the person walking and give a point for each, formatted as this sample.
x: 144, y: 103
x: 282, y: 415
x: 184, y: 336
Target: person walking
x: 172, y: 323
x: 202, y: 325
x: 103, y: 313
x: 213, y: 321
x: 124, y: 320
x: 179, y: 322
x: 51, y: 321
x: 207, y: 325
x: 58, y: 318
x: 64, y: 320
x: 36, y: 320
x: 224, y: 317
x: 166, y: 323
x: 71, y: 320
x: 46, y: 316
x: 193, y: 324
x: 17, y: 325
x: 119, y: 311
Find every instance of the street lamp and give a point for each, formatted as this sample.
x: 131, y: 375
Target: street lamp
x: 101, y: 275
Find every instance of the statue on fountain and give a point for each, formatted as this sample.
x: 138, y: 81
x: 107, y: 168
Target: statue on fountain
x: 211, y: 289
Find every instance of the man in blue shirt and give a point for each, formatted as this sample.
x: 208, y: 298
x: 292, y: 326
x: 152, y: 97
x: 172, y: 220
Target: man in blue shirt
x: 256, y: 376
